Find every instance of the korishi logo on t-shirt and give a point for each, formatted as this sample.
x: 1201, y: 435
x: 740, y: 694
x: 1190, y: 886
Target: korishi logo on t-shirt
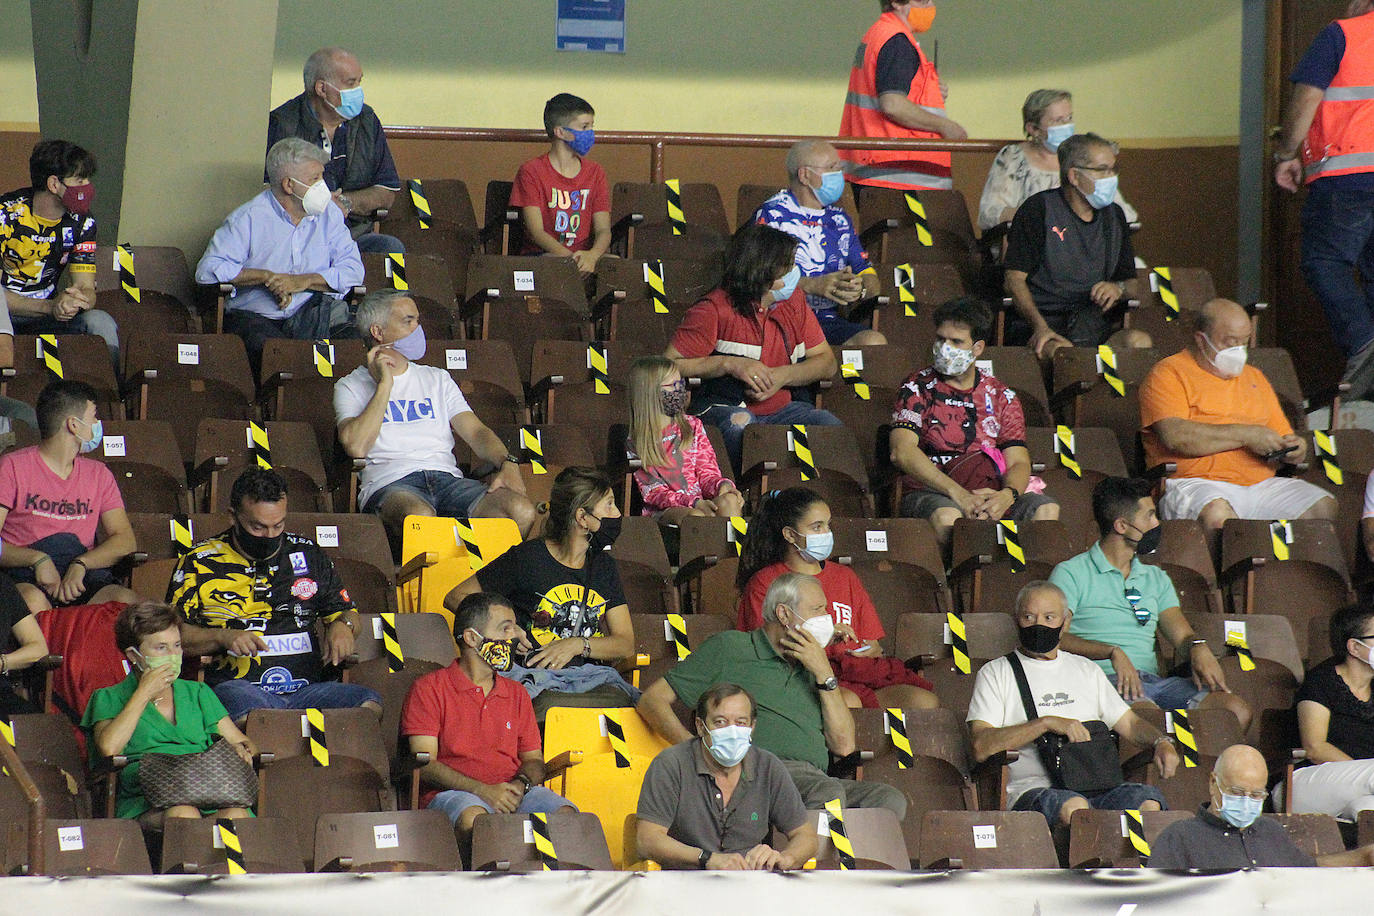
x: 567, y: 207
x: 409, y: 410
x: 56, y: 508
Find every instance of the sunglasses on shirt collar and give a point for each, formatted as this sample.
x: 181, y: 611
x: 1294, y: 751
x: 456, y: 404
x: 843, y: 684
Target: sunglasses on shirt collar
x: 1134, y: 599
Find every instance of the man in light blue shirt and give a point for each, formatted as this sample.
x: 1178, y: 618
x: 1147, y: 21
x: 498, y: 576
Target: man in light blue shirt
x: 1118, y: 602
x: 288, y: 254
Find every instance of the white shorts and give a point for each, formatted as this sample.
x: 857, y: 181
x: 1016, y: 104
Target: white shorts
x: 1277, y: 497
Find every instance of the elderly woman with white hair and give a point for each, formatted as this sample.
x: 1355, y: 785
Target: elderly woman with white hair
x: 1032, y: 165
x: 288, y: 254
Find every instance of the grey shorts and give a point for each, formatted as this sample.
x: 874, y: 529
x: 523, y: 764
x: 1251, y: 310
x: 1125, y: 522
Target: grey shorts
x: 449, y: 496
x: 924, y: 503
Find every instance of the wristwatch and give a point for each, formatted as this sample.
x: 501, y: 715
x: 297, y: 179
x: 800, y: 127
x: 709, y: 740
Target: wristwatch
x: 525, y: 780
x: 703, y: 858
x: 511, y: 458
x: 1015, y: 493
x: 830, y: 683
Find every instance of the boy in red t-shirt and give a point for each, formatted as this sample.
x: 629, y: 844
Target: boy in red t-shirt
x: 564, y: 203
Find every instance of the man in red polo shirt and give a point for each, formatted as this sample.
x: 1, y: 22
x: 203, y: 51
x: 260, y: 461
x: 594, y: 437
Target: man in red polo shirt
x: 478, y: 727
x: 754, y: 342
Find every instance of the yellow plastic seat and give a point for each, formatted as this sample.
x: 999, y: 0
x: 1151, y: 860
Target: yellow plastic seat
x: 599, y: 784
x: 570, y: 728
x: 439, y: 553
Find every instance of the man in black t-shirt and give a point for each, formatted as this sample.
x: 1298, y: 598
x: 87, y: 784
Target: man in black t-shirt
x: 1069, y: 256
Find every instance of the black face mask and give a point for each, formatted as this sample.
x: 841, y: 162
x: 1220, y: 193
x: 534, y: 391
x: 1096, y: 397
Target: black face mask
x: 254, y: 547
x: 1149, y: 541
x: 605, y: 536
x: 1039, y: 639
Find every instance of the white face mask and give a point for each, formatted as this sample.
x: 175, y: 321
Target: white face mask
x: 950, y: 361
x: 821, y: 627
x: 316, y: 198
x: 1229, y: 362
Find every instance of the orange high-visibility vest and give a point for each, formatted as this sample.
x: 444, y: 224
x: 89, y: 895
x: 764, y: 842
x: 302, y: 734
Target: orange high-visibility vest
x: 863, y: 118
x: 1341, y: 139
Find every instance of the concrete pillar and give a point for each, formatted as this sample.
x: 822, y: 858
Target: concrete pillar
x: 172, y: 98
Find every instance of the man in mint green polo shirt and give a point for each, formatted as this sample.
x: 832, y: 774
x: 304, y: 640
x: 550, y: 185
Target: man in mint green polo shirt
x: 1118, y: 602
x: 801, y: 717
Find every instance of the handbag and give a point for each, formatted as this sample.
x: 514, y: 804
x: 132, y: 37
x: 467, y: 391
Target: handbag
x: 1088, y: 767
x: 210, y: 779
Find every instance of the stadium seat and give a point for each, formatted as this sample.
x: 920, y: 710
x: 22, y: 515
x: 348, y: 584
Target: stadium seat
x: 1213, y: 731
x: 349, y: 732
x: 485, y: 373
x: 564, y: 389
x: 427, y: 278
x: 1277, y: 365
x: 874, y: 834
x: 524, y: 299
x: 450, y: 227
x: 166, y: 296
x: 300, y: 791
x: 1083, y: 397
x: 946, y: 216
x: 985, y: 577
x: 1096, y: 453
x: 1188, y: 788
x: 1266, y: 636
x: 1018, y: 369
x: 989, y: 635
x: 642, y: 562
x: 624, y: 307
x: 80, y: 358
x: 909, y: 293
x: 499, y: 843
x: 357, y: 546
x: 1353, y: 462
x: 181, y: 378
x: 640, y: 221
x: 659, y: 648
x: 394, y: 686
x: 372, y: 841
x: 909, y: 543
x: 708, y: 558
x: 424, y: 636
x: 770, y: 462
x: 866, y: 410
x: 503, y: 231
x: 1099, y: 839
x: 144, y: 459
x: 1269, y: 689
x: 1185, y: 555
x: 291, y: 451
x: 436, y: 557
x: 897, y: 587
x: 562, y: 446
x: 191, y: 846
x: 986, y: 839
x: 952, y: 686
x: 85, y: 847
x: 298, y: 384
x: 1170, y: 326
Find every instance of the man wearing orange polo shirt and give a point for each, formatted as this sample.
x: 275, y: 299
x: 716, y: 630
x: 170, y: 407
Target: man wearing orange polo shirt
x: 477, y: 726
x: 1221, y: 422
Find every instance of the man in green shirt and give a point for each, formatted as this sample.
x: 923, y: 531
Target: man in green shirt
x: 1118, y: 602
x: 801, y: 717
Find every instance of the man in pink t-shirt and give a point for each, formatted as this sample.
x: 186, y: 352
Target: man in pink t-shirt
x: 564, y: 204
x: 54, y: 504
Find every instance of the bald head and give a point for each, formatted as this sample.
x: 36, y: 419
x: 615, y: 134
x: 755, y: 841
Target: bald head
x: 1241, y: 766
x: 811, y: 154
x: 1222, y: 318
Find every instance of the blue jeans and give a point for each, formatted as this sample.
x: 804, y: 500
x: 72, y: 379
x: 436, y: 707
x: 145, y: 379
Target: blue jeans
x: 447, y: 495
x: 731, y: 419
x: 241, y: 697
x: 1169, y: 692
x: 379, y: 243
x: 91, y: 321
x: 1337, y: 240
x: 453, y: 802
x: 1127, y: 796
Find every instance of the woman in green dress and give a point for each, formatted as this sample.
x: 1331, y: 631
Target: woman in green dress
x: 153, y: 711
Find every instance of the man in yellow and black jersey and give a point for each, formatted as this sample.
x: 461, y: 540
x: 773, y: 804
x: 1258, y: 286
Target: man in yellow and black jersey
x: 44, y: 229
x: 269, y: 605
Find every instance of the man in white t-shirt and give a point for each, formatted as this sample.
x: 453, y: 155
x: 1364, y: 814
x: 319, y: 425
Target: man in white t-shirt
x: 1068, y: 690
x: 402, y: 417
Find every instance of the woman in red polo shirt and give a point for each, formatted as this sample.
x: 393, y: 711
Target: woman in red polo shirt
x: 754, y: 342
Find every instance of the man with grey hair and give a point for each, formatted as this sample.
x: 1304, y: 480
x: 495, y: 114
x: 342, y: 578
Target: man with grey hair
x: 1067, y: 692
x: 1218, y: 420
x: 834, y: 266
x: 801, y: 715
x: 331, y: 114
x: 1228, y: 831
x: 402, y: 418
x: 1069, y: 256
x: 288, y: 255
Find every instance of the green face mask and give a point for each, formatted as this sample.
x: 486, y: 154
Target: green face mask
x: 162, y: 661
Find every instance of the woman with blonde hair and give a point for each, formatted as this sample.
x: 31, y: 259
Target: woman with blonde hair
x: 679, y: 474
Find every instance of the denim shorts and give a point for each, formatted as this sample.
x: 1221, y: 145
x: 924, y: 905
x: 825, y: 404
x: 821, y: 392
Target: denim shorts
x: 449, y: 496
x: 1169, y: 692
x: 1127, y: 796
x: 836, y: 328
x: 240, y: 697
x: 924, y: 503
x: 453, y: 802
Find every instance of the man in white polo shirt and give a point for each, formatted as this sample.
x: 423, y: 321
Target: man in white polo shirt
x: 402, y: 417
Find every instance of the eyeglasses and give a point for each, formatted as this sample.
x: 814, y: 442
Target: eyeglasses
x: 1142, y: 614
x: 1256, y: 795
x: 1107, y: 169
x: 679, y: 385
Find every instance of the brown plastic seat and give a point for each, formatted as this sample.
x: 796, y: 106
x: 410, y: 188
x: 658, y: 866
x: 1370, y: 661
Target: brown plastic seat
x: 1269, y: 689
x: 1018, y: 369
x: 386, y: 841
x: 708, y: 563
x: 867, y: 417
x: 166, y: 291
x: 394, y: 686
x: 485, y: 373
x: 362, y: 557
x: 58, y: 799
x: 642, y: 561
x: 181, y: 378
x: 498, y: 843
x: 1022, y: 840
x: 770, y: 463
x: 984, y: 578
x: 1214, y: 730
x: 874, y: 833
x: 292, y: 450
x: 423, y: 635
x: 908, y: 325
x: 952, y: 686
x: 1266, y: 635
x: 1355, y: 457
x: 524, y: 299
x: 49, y: 738
x: 293, y: 387
x: 1311, y: 583
x: 1083, y: 398
x: 882, y: 210
x: 640, y: 226
x: 94, y: 846
x: 1156, y: 821
x: 503, y: 231
x: 874, y: 546
x: 655, y: 642
x: 146, y: 463
x: 1277, y: 365
x: 83, y: 358
x: 452, y: 223
x: 349, y: 732
x: 1185, y: 555
x: 1098, y: 455
x: 1188, y: 788
x: 1171, y: 331
x: 896, y: 587
x: 427, y: 278
x: 296, y: 789
x: 564, y: 446
x: 563, y: 388
x: 269, y: 844
x: 990, y: 635
x: 1098, y: 839
x: 624, y: 310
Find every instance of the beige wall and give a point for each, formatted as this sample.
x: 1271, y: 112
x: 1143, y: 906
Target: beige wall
x: 1162, y: 70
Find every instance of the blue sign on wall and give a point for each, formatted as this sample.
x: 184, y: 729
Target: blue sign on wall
x: 591, y: 25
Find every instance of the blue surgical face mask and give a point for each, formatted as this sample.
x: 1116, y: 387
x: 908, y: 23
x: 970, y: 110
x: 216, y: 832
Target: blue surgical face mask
x: 730, y: 743
x: 412, y: 346
x: 350, y: 101
x: 97, y: 433
x: 1104, y: 192
x: 831, y: 189
x: 1240, y: 810
x: 789, y: 285
x: 1056, y: 134
x: 582, y: 140
x: 818, y: 546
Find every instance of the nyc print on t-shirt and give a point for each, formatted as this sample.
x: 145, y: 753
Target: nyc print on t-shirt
x: 409, y: 410
x: 567, y: 207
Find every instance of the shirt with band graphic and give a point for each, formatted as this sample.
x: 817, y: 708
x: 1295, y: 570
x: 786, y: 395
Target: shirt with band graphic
x: 34, y: 250
x: 282, y: 598
x: 950, y: 422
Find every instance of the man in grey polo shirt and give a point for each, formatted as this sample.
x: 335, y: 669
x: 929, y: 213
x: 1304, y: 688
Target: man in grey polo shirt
x: 712, y: 802
x: 1228, y: 831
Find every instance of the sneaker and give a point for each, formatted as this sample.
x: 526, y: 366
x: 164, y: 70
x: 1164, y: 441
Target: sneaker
x: 1359, y: 372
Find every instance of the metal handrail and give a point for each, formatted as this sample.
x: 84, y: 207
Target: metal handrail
x: 37, y: 814
x: 659, y: 142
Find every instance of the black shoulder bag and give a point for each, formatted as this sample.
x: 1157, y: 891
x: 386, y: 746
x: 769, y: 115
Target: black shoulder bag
x: 1088, y: 767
